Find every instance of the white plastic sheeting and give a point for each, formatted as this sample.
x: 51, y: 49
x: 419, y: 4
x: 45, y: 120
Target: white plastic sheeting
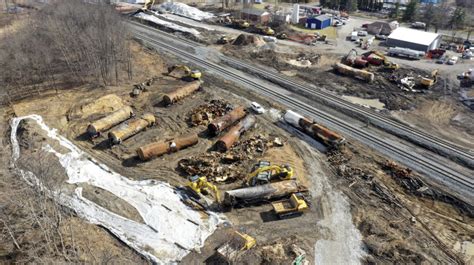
x: 186, y: 11
x: 171, y: 228
x: 167, y: 24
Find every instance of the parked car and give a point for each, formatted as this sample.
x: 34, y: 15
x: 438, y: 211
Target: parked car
x: 257, y: 108
x: 338, y: 23
x: 441, y: 59
x: 381, y: 37
x: 418, y: 25
x: 362, y: 33
x: 453, y: 60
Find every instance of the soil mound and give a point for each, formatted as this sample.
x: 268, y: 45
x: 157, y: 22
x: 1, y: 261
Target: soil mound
x: 246, y: 39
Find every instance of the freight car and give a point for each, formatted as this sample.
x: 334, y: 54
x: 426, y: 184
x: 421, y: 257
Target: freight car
x: 317, y: 131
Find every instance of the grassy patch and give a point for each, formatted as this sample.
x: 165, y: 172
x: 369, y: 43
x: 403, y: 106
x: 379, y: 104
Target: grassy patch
x: 330, y: 32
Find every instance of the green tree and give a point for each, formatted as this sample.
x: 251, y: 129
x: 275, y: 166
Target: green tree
x: 396, y: 11
x: 410, y: 11
x: 351, y: 5
x: 457, y: 18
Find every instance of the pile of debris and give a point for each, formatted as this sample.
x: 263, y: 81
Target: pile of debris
x: 246, y: 39
x: 224, y: 167
x: 284, y: 252
x: 206, y: 113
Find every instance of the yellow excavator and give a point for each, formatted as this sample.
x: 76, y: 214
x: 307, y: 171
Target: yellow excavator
x: 264, y: 172
x: 201, y: 186
x: 184, y: 72
x: 386, y: 62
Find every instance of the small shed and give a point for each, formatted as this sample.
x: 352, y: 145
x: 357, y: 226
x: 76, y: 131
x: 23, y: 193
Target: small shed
x: 255, y: 15
x: 381, y: 27
x: 319, y: 22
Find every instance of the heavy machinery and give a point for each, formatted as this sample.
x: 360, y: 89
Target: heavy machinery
x: 239, y: 23
x: 263, y: 30
x: 466, y: 78
x: 378, y: 58
x: 264, y: 173
x: 200, y: 186
x: 223, y: 40
x: 428, y: 82
x: 294, y: 206
x: 146, y: 7
x: 184, y: 72
x: 237, y: 243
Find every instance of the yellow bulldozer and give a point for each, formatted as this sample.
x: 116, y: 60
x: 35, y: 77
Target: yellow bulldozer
x: 428, y: 82
x: 264, y: 172
x: 184, y: 72
x: 201, y: 186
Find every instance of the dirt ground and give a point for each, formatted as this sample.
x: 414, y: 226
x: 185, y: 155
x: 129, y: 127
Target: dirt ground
x: 418, y: 109
x: 397, y: 224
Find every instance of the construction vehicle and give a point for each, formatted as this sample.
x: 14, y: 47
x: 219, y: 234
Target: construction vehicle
x: 200, y: 185
x: 184, y: 72
x: 264, y: 173
x: 428, y: 82
x: 239, y: 23
x: 378, y: 58
x: 237, y: 243
x: 223, y: 40
x: 466, y: 78
x: 146, y: 7
x: 264, y: 30
x: 294, y: 206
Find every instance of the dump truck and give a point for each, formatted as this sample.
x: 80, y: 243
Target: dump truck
x: 294, y: 206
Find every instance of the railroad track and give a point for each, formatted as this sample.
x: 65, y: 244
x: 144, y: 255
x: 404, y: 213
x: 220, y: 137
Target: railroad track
x: 439, y: 145
x: 426, y: 165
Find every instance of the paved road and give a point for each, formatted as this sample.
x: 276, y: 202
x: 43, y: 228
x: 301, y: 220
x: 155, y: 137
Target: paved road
x: 457, y: 181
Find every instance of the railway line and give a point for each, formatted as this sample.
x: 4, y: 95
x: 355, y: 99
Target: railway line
x: 458, y: 183
x: 418, y: 137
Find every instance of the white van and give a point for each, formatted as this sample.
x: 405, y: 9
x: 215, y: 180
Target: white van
x: 354, y: 36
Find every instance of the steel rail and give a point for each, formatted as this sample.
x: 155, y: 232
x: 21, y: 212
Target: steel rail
x: 428, y: 165
x: 407, y: 131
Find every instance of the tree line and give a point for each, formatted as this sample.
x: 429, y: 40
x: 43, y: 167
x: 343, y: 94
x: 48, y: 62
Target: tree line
x: 66, y: 42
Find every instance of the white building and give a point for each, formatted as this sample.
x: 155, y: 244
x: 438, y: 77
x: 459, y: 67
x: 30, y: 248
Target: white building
x: 414, y: 39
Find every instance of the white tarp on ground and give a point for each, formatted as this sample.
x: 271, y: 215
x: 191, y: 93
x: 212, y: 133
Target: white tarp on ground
x: 167, y: 24
x: 186, y: 11
x: 171, y: 228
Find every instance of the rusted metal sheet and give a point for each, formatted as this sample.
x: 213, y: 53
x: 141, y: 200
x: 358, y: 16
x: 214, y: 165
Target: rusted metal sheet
x: 131, y: 128
x: 181, y: 92
x: 159, y: 148
x: 226, y: 142
x: 269, y: 191
x: 220, y: 124
x: 109, y: 121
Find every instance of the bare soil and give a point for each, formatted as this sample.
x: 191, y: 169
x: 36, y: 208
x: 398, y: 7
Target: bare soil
x: 397, y: 224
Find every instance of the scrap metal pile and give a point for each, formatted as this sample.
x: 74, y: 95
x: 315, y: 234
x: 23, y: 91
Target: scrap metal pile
x: 205, y: 113
x: 227, y: 167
